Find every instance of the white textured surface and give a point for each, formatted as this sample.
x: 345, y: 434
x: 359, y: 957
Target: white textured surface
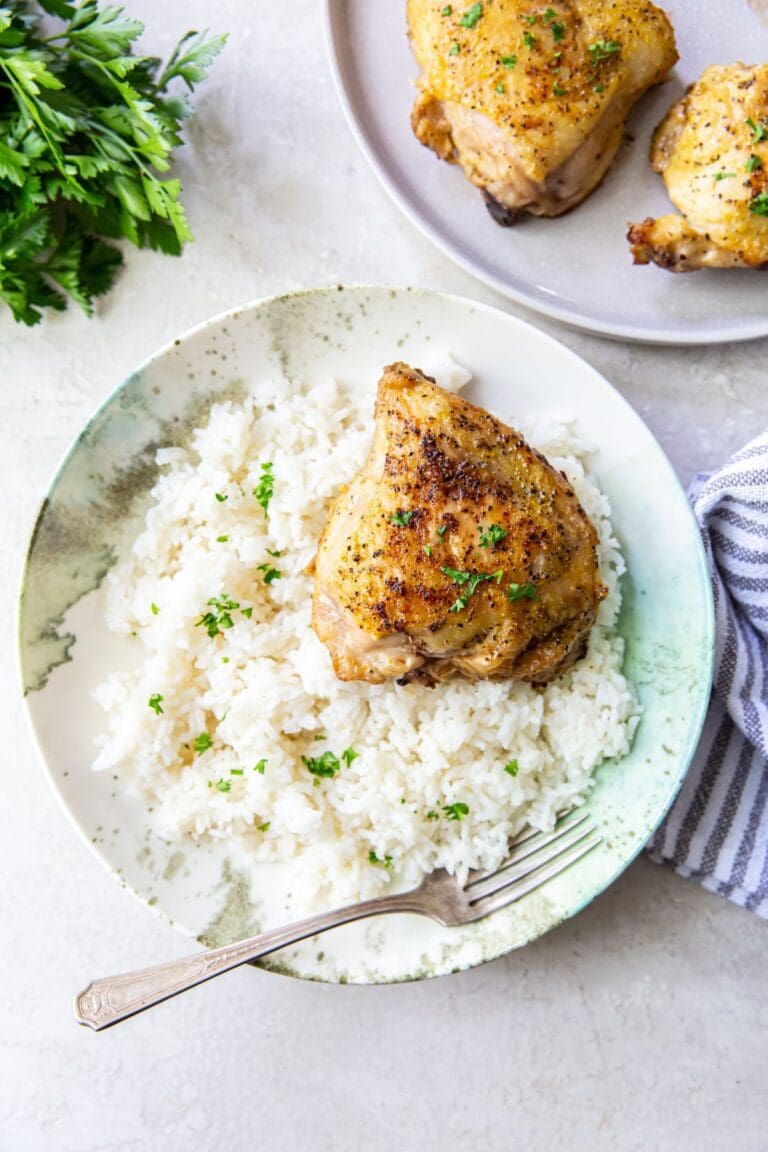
x: 642, y: 1023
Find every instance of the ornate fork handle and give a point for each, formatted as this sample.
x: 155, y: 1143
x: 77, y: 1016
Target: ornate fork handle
x: 105, y: 1002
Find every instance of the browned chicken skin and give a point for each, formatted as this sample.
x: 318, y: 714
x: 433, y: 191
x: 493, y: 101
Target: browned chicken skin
x: 712, y: 150
x: 456, y: 549
x: 531, y: 99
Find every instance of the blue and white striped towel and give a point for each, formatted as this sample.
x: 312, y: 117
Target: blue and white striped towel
x: 717, y: 830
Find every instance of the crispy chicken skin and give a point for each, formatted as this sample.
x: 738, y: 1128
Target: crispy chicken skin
x: 443, y: 478
x: 712, y: 149
x: 531, y: 100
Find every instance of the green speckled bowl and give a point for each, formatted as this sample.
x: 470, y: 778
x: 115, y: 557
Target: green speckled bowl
x: 101, y: 488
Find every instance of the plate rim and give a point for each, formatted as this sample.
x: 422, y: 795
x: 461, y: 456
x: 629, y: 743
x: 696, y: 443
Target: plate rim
x: 698, y: 714
x: 331, y: 17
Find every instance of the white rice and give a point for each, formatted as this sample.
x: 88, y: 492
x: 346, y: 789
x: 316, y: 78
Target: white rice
x: 265, y: 688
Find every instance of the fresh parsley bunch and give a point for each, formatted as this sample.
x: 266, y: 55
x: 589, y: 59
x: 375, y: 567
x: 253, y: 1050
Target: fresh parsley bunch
x: 87, y: 132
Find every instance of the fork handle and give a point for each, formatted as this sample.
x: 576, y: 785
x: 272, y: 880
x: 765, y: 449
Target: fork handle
x: 107, y: 1001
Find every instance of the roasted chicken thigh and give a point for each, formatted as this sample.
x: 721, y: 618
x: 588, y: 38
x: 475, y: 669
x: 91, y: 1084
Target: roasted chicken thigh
x: 456, y: 549
x: 531, y: 99
x: 712, y: 149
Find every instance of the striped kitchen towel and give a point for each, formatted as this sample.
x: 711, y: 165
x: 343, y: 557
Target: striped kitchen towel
x: 717, y: 830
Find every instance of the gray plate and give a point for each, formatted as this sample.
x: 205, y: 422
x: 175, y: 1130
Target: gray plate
x: 577, y: 269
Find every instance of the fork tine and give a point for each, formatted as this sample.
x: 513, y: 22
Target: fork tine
x: 533, y: 880
x: 526, y: 844
x: 555, y: 844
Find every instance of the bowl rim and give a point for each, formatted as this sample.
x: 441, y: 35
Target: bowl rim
x: 708, y: 636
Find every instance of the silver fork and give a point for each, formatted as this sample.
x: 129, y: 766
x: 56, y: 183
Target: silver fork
x: 534, y: 858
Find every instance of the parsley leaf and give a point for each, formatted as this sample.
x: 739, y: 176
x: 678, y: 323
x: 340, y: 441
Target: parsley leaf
x: 325, y: 765
x: 221, y: 497
x: 221, y: 617
x: 265, y: 488
x: 469, y: 581
x: 759, y: 204
x: 348, y: 755
x: 454, y: 49
x: 754, y: 164
x: 512, y: 768
x: 509, y: 61
x: 262, y: 764
x: 270, y: 574
x: 224, y: 785
x: 491, y: 535
x: 723, y: 176
x: 156, y: 703
x: 202, y: 743
x: 603, y: 50
x: 529, y: 39
x: 759, y: 131
x: 87, y: 135
x: 522, y: 592
x: 456, y: 811
x: 374, y: 859
x: 472, y: 16
x: 401, y: 519
x: 447, y: 10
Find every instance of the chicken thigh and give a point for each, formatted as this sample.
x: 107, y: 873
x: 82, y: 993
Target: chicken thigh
x: 531, y: 99
x: 712, y: 149
x: 456, y: 549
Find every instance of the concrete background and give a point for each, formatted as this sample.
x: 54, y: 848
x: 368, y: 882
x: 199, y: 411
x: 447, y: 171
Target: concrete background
x: 641, y: 1024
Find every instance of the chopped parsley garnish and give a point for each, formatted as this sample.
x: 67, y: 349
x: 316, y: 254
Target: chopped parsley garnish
x: 558, y: 31
x: 521, y: 592
x: 724, y: 176
x: 500, y: 89
x: 759, y: 131
x: 222, y: 539
x: 260, y: 767
x: 247, y: 612
x: 454, y: 49
x: 456, y: 811
x: 513, y: 767
x: 530, y: 19
x: 603, y: 50
x: 265, y: 488
x: 270, y: 573
x: 348, y: 755
x: 469, y: 581
x: 529, y: 39
x: 264, y: 827
x: 236, y: 772
x: 558, y: 90
x: 472, y: 15
x: 509, y: 61
x: 221, y: 617
x: 276, y: 553
x: 491, y: 535
x: 759, y: 204
x: 325, y: 765
x: 599, y: 88
x: 156, y: 703
x: 202, y: 743
x: 223, y: 785
x: 447, y: 10
x: 432, y: 815
x: 221, y: 497
x: 754, y: 164
x: 401, y: 519
x: 427, y: 549
x: 374, y: 859
x: 442, y: 531
x: 154, y: 609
